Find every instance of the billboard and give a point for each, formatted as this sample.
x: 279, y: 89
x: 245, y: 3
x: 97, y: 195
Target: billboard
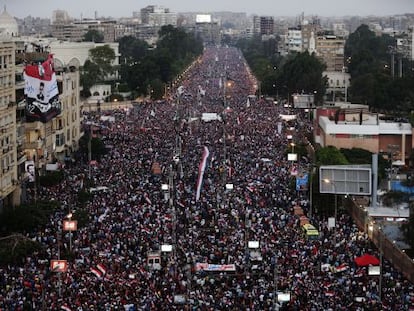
x: 345, y: 179
x: 203, y: 18
x: 41, y: 92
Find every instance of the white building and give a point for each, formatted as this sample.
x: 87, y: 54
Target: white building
x: 338, y: 84
x: 158, y: 16
x: 8, y: 25
x: 294, y: 40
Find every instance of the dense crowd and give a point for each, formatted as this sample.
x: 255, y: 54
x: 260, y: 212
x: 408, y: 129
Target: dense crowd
x: 134, y: 217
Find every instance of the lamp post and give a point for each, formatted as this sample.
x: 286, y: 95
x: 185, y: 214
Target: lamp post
x: 293, y: 147
x: 311, y: 190
x: 275, y: 279
x: 328, y: 181
x: 380, y: 234
x: 69, y: 225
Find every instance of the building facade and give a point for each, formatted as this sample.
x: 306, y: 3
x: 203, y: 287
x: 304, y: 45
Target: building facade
x: 358, y: 128
x: 330, y: 50
x: 263, y: 25
x: 9, y: 195
x: 158, y: 16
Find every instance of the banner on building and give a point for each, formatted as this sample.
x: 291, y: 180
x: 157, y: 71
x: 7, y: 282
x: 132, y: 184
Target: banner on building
x: 29, y: 167
x: 41, y: 92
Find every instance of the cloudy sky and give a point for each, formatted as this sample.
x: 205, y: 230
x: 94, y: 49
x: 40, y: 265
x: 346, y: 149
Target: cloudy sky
x: 124, y: 8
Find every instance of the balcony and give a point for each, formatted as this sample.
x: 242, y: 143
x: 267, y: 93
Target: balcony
x: 33, y: 145
x: 60, y: 148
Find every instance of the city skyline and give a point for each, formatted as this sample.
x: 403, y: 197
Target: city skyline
x: 124, y: 8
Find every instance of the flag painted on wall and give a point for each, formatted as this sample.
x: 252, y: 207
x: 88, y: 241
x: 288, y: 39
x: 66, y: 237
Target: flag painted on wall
x: 41, y: 92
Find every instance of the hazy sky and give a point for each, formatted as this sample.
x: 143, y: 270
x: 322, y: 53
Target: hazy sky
x: 124, y: 8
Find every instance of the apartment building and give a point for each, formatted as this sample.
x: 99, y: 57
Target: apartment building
x: 154, y: 15
x: 330, y: 50
x: 9, y: 195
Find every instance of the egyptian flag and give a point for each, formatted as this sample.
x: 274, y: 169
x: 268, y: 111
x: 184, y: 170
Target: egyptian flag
x: 41, y: 92
x: 201, y: 168
x: 97, y: 272
x: 341, y: 268
x: 101, y: 268
x: 65, y: 308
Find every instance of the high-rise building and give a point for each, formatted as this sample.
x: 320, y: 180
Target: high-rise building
x: 158, y: 16
x: 263, y: 25
x: 330, y: 49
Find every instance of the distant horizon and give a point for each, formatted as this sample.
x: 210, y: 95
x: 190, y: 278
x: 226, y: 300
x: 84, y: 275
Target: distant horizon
x: 278, y: 8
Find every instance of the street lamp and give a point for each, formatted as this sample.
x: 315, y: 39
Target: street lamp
x: 380, y: 236
x: 311, y: 190
x: 328, y: 181
x: 70, y: 225
x: 293, y: 147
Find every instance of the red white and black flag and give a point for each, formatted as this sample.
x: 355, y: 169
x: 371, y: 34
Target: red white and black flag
x: 41, y: 91
x: 201, y: 169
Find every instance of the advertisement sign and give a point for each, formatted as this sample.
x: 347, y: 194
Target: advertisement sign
x: 302, y: 182
x: 292, y: 156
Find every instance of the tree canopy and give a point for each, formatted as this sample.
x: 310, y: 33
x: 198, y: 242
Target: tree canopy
x: 299, y: 72
x: 147, y: 71
x: 372, y: 82
x: 93, y: 35
x: 98, y: 67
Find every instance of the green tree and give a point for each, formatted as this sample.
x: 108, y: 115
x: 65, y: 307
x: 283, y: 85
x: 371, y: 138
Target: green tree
x: 362, y: 156
x: 103, y: 56
x: 89, y: 76
x: 97, y: 147
x: 302, y: 72
x: 93, y: 35
x: 144, y: 69
x: 330, y: 156
x: 98, y: 67
x: 372, y: 81
x: 132, y: 50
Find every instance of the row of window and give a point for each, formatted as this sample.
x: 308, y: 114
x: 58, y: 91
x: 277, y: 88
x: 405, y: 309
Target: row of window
x: 354, y: 136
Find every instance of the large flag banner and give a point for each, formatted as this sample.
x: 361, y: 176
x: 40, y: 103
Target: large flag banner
x: 41, y: 91
x: 201, y: 168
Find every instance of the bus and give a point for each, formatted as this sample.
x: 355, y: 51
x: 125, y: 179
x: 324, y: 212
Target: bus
x: 310, y: 232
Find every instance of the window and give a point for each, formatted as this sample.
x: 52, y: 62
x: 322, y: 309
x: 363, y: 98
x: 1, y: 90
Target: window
x: 60, y: 139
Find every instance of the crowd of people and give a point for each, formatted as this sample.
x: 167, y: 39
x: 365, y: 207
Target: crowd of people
x: 131, y: 217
